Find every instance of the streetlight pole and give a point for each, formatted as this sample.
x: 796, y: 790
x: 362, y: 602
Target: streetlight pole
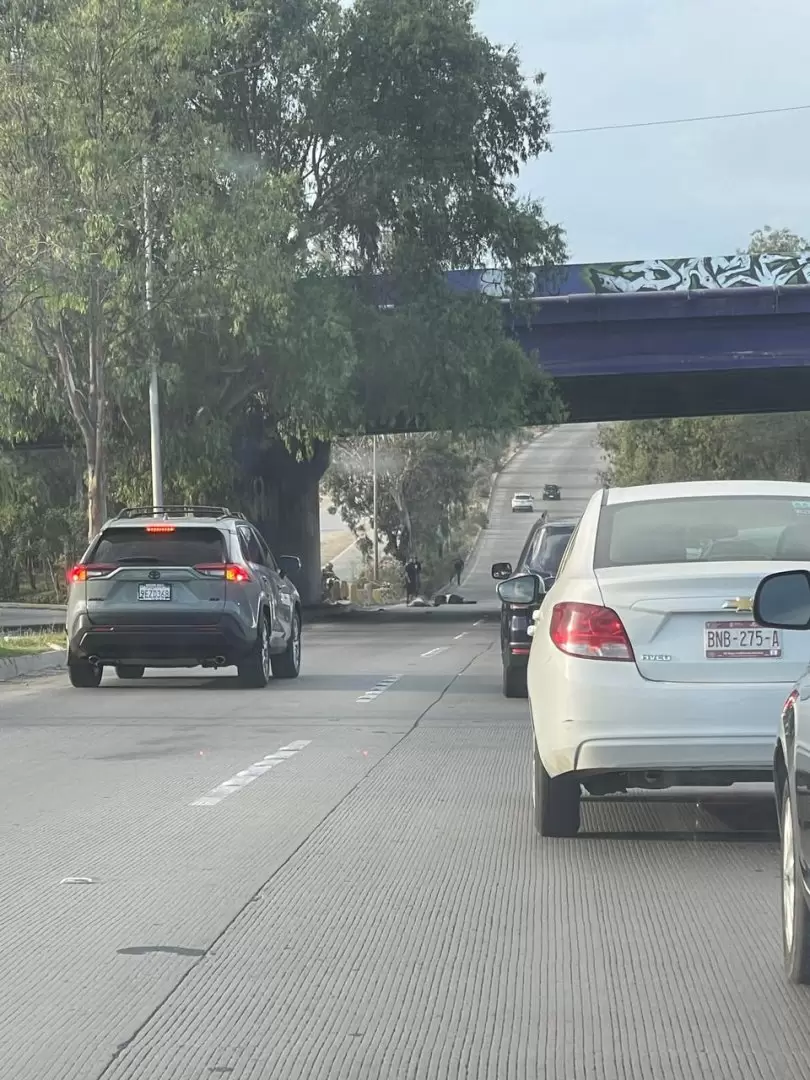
x: 154, y: 384
x: 374, y: 510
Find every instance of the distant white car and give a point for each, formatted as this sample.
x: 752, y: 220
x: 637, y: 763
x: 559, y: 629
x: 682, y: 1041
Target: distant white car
x: 522, y: 501
x: 646, y: 668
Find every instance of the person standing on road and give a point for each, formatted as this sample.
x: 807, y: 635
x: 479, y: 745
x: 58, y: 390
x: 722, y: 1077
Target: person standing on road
x: 411, y: 580
x: 458, y: 566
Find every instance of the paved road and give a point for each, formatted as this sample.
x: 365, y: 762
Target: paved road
x: 337, y: 878
x: 28, y: 617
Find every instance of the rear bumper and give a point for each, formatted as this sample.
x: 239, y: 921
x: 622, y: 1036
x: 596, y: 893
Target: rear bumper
x: 591, y: 716
x: 162, y: 645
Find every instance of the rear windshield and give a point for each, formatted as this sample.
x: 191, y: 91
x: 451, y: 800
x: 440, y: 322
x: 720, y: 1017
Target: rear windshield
x: 188, y: 546
x: 725, y: 528
x: 547, y: 553
x: 521, y: 495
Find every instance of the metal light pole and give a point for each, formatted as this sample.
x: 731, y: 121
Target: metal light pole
x: 374, y: 510
x: 154, y: 385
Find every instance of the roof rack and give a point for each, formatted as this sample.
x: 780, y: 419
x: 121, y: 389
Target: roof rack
x: 177, y: 510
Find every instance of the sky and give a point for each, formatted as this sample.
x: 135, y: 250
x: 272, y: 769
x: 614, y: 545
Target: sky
x: 690, y: 189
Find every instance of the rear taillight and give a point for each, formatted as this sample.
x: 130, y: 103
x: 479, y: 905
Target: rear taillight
x: 590, y: 631
x: 229, y: 571
x: 792, y: 698
x: 87, y: 571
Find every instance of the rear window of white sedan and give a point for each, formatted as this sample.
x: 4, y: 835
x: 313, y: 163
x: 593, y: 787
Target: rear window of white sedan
x: 722, y: 528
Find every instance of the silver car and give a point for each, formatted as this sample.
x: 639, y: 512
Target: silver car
x: 182, y: 586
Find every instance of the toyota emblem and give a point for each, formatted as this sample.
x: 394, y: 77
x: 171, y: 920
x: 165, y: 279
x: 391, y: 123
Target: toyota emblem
x: 154, y: 574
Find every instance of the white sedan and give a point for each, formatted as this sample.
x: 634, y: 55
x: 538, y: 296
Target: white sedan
x: 646, y: 668
x: 522, y: 501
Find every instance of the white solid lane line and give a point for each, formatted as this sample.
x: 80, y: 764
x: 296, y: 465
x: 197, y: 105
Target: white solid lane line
x: 378, y: 688
x: 251, y: 773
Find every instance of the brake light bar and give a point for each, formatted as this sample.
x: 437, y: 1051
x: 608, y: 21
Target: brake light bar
x: 161, y: 528
x: 590, y: 631
x: 229, y: 571
x: 85, y: 571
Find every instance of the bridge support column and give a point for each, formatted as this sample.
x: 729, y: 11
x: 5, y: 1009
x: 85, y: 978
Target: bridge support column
x: 285, y: 504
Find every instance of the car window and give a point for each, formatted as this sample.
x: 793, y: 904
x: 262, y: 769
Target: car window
x: 548, y: 550
x: 185, y: 546
x: 721, y: 528
x: 267, y: 554
x: 569, y: 547
x: 249, y: 543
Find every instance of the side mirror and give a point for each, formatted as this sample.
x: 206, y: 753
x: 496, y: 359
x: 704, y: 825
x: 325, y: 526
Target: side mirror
x: 782, y: 601
x: 524, y: 589
x: 501, y: 570
x: 289, y: 564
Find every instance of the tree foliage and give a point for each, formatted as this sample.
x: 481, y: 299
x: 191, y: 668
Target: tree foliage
x: 429, y: 486
x: 311, y: 170
x: 764, y: 447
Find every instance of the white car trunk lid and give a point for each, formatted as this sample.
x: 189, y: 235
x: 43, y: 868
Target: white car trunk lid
x: 692, y: 622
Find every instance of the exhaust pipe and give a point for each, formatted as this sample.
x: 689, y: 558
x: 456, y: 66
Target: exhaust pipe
x: 219, y: 661
x: 93, y: 661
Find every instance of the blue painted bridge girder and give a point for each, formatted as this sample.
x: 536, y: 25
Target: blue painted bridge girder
x: 669, y: 337
x: 649, y: 333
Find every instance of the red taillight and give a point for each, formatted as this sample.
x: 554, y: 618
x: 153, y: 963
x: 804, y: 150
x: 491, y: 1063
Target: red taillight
x: 229, y: 571
x: 84, y: 571
x: 792, y: 698
x: 161, y: 528
x: 590, y: 631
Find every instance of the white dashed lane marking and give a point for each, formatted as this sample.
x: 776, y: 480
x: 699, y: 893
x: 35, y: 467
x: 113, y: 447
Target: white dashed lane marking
x: 459, y: 636
x: 379, y: 688
x: 435, y: 652
x: 251, y: 773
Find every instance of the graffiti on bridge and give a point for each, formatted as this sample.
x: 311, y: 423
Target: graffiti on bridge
x: 725, y: 272
x: 649, y: 275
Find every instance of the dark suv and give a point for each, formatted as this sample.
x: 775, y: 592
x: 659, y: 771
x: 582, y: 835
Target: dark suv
x: 182, y: 586
x: 541, y: 555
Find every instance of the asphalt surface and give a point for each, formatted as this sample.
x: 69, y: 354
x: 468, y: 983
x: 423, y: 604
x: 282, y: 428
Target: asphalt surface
x: 337, y: 877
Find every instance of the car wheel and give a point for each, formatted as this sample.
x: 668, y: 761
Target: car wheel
x: 795, y: 916
x: 556, y: 800
x: 83, y: 674
x: 287, y: 665
x: 514, y: 682
x: 129, y: 671
x: 254, y: 670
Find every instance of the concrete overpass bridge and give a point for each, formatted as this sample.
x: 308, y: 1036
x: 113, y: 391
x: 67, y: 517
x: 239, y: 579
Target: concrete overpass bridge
x: 630, y: 340
x: 667, y: 337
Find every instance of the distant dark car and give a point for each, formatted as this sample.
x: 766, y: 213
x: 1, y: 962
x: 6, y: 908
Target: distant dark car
x: 542, y: 553
x: 551, y: 491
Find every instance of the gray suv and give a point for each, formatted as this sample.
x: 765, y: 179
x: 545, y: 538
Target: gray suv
x: 182, y: 586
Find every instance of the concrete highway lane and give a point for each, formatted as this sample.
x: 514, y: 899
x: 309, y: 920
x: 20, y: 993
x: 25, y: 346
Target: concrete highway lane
x: 337, y: 877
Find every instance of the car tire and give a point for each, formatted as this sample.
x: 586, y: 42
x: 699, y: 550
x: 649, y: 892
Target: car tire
x: 556, y: 800
x: 795, y: 915
x: 83, y: 674
x: 287, y: 665
x: 254, y: 671
x: 129, y: 671
x: 514, y: 682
